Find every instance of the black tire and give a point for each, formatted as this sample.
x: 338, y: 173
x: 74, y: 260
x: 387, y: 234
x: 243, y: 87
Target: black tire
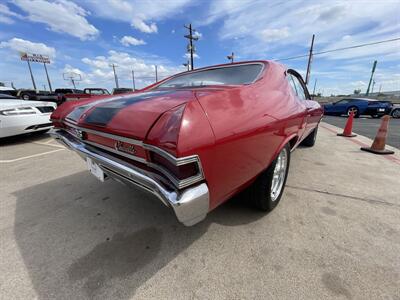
x: 396, y: 113
x: 356, y: 111
x: 25, y: 97
x: 309, y: 141
x: 259, y: 193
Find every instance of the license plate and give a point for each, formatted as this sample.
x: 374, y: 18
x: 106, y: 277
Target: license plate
x: 381, y: 109
x: 95, y: 169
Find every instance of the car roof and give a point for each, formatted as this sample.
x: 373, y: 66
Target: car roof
x: 361, y: 99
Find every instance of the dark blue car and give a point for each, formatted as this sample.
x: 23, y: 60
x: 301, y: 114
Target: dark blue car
x: 360, y: 106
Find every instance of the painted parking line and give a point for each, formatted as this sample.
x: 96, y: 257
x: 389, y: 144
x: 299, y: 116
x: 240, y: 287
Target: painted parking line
x: 30, y: 156
x: 49, y: 145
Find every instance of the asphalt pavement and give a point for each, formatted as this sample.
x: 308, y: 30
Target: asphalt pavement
x: 368, y: 127
x: 334, y: 235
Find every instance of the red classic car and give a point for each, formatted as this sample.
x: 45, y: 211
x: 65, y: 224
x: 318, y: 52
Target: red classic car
x: 197, y: 138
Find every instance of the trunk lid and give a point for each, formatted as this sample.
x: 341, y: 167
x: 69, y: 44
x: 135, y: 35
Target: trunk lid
x: 130, y: 115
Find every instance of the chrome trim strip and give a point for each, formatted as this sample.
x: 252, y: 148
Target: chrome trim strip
x: 175, y: 161
x: 139, y: 159
x: 190, y: 205
x: 108, y: 135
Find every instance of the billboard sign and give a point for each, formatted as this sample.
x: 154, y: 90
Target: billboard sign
x: 39, y: 58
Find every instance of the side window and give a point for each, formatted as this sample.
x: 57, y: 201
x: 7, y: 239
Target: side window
x: 297, y: 87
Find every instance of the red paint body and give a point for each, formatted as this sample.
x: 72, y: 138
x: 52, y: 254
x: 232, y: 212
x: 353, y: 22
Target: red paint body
x: 237, y: 131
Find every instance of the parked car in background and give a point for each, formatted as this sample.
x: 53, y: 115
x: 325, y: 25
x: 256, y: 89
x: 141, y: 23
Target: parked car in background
x: 61, y: 92
x: 87, y: 93
x: 197, y: 138
x: 117, y: 91
x: 23, y: 116
x: 26, y: 94
x: 8, y: 91
x: 359, y: 106
x: 395, y: 113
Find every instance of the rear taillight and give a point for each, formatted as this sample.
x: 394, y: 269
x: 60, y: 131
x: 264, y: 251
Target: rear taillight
x: 180, y: 172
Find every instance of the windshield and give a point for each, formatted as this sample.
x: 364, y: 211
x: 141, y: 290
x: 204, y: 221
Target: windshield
x: 232, y: 75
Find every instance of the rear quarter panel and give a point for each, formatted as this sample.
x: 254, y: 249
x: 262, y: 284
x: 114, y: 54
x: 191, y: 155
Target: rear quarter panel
x: 250, y: 124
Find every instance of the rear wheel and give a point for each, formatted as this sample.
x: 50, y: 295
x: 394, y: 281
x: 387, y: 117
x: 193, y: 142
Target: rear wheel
x: 266, y: 192
x: 309, y: 141
x: 396, y: 113
x: 355, y: 110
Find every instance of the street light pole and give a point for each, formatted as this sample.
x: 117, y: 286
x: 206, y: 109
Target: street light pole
x: 30, y: 71
x: 310, y: 57
x: 133, y: 80
x: 48, y: 78
x: 372, y: 76
x: 231, y: 57
x: 156, y: 73
x: 115, y: 75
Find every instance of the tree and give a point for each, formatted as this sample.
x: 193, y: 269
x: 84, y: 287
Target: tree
x: 357, y: 91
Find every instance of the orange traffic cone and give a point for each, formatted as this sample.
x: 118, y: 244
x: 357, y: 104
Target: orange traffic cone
x: 347, y: 132
x: 378, y: 146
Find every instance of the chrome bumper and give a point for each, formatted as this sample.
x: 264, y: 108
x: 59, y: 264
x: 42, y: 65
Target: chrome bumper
x: 191, y: 205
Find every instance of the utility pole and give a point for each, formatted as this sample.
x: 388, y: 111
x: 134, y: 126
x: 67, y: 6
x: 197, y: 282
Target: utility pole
x: 372, y: 75
x: 380, y: 88
x: 133, y: 80
x: 48, y: 78
x: 191, y: 46
x: 44, y: 87
x: 315, y: 84
x: 30, y: 71
x: 373, y: 84
x: 187, y: 65
x: 310, y: 57
x: 115, y: 75
x: 155, y: 67
x: 231, y: 57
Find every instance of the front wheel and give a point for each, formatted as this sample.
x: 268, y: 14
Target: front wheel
x: 266, y: 192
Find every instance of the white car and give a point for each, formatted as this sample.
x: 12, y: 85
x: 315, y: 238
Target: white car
x: 21, y: 116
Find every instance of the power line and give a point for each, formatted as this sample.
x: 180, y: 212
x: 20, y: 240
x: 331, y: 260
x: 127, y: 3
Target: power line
x: 340, y: 49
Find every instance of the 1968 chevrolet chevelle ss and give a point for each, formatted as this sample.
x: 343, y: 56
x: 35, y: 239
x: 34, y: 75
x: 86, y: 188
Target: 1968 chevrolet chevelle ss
x: 197, y: 138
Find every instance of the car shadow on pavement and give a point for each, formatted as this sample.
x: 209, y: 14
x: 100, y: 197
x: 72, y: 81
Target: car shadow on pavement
x: 23, y: 138
x: 80, y: 238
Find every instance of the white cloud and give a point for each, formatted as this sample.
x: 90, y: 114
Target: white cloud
x: 270, y: 35
x: 130, y: 40
x: 142, y: 15
x: 21, y: 45
x: 187, y: 55
x: 61, y: 16
x: 143, y: 27
x: 290, y: 24
x: 102, y: 73
x: 6, y: 14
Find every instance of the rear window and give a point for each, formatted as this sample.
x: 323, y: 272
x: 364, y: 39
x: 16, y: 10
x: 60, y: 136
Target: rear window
x: 231, y: 75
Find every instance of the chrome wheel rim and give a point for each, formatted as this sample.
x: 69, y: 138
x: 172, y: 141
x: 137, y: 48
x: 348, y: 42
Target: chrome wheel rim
x: 352, y: 109
x: 396, y: 113
x: 279, y: 175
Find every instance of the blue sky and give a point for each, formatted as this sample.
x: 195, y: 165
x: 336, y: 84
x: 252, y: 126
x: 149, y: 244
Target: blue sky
x: 85, y: 37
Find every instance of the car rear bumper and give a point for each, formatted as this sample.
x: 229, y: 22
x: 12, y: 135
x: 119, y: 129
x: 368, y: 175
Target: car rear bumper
x: 190, y: 205
x: 377, y: 111
x: 20, y: 124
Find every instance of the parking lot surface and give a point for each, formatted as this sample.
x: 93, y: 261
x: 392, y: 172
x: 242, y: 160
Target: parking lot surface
x: 65, y: 235
x: 368, y: 126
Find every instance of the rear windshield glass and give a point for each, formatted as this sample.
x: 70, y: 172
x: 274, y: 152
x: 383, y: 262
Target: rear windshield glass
x: 234, y: 75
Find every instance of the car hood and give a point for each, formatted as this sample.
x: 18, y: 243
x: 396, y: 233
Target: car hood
x: 14, y: 103
x: 130, y: 115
